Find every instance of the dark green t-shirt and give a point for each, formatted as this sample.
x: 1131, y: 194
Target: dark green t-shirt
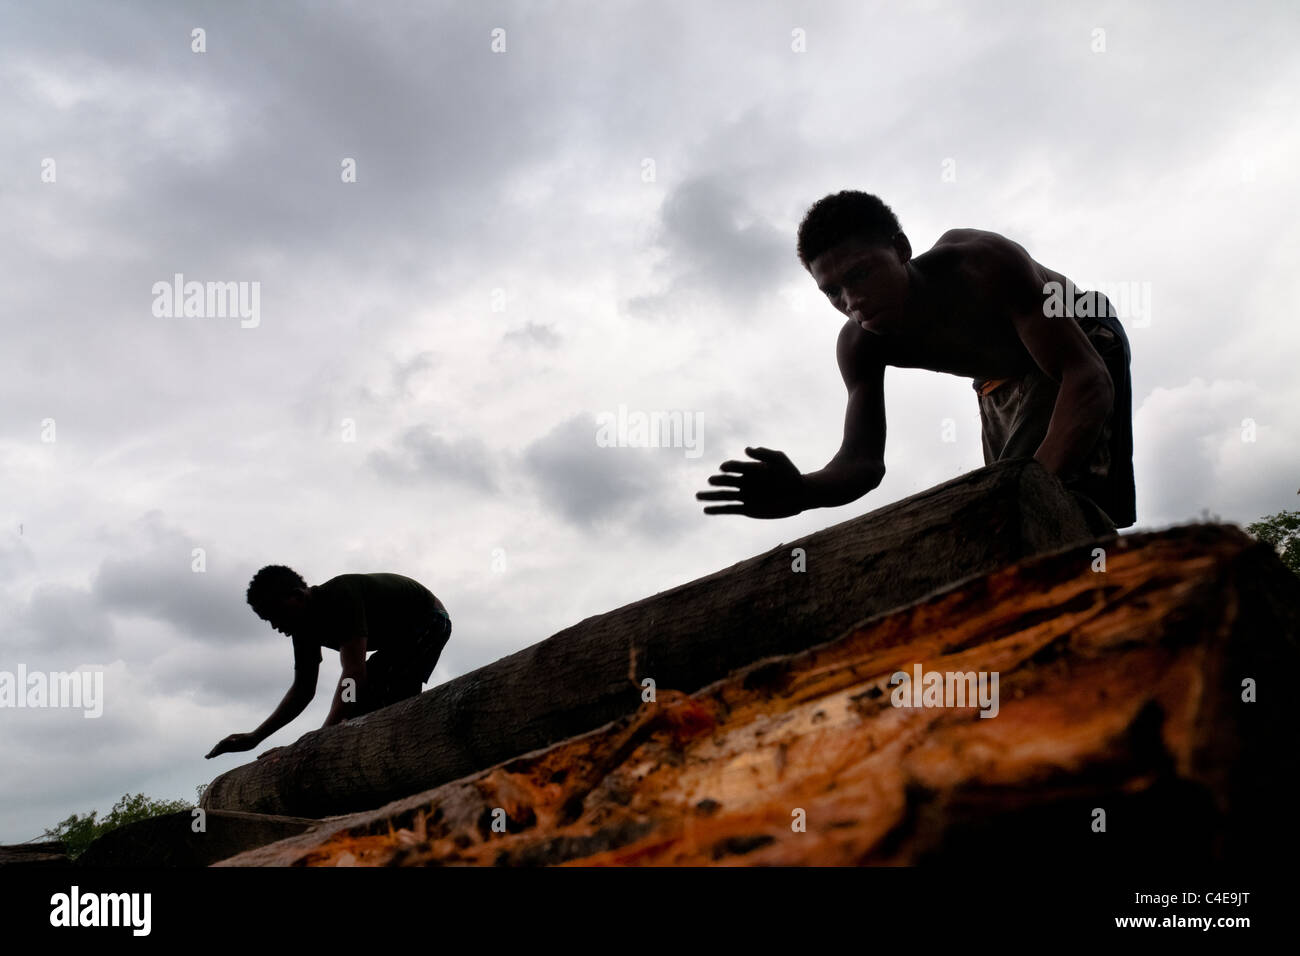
x: 389, y: 610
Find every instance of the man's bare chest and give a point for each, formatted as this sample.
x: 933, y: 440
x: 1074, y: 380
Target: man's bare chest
x: 974, y: 340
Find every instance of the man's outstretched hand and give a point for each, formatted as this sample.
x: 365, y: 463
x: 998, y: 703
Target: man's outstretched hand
x: 234, y: 743
x: 770, y: 487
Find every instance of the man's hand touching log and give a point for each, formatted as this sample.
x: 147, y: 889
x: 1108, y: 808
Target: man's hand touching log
x: 234, y: 743
x: 770, y: 487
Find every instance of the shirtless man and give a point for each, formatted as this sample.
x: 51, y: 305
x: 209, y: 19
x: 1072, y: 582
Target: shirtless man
x: 1049, y: 363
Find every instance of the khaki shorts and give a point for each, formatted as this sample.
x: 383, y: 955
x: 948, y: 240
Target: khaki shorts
x: 1015, y: 413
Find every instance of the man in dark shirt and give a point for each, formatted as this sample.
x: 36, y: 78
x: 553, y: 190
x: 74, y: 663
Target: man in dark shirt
x: 399, y: 619
x: 1049, y: 364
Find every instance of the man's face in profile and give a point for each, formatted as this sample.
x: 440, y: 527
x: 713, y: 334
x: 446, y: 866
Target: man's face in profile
x: 866, y: 282
x: 287, y: 613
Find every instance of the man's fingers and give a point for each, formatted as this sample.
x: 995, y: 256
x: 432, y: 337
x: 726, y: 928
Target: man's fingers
x: 725, y: 510
x: 743, y: 467
x: 719, y: 496
x: 764, y: 454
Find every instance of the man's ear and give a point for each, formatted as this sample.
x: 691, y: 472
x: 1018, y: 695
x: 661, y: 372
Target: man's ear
x: 902, y: 246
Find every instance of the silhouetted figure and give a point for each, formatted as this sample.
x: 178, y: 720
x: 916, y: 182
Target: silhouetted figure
x: 1049, y: 363
x: 397, y: 618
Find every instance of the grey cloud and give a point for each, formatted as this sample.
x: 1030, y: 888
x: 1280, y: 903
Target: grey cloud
x: 62, y: 625
x: 153, y: 577
x: 257, y: 673
x: 422, y: 455
x: 15, y: 557
x: 533, y: 333
x: 718, y: 246
x: 404, y: 373
x: 593, y: 487
x: 1190, y: 457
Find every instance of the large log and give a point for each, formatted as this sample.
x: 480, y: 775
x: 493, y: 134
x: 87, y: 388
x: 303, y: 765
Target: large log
x: 592, y: 672
x: 34, y: 854
x: 1122, y: 734
x: 173, y: 839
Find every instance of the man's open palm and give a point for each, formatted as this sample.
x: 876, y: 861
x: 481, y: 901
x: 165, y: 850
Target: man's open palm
x: 234, y: 743
x: 770, y: 487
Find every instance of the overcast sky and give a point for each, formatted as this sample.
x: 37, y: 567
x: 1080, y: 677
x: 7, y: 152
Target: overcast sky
x: 602, y: 213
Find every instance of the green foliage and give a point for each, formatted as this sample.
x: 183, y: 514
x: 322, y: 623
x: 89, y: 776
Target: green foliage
x: 80, y: 830
x: 1282, y: 531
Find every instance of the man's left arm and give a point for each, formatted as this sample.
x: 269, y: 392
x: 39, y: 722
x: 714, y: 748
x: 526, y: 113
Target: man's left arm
x: 1063, y: 352
x: 352, y: 654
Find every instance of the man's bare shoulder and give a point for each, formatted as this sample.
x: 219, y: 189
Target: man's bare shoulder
x: 954, y: 236
x: 982, y: 244
x: 859, y: 353
x: 988, y: 261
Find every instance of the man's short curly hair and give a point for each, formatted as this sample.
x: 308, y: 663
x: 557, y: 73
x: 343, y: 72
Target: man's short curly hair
x: 270, y: 584
x: 844, y: 215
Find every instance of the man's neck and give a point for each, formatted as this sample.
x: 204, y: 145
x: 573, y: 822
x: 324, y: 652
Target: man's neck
x: 916, y: 305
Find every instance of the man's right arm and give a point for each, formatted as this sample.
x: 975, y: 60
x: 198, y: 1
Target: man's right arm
x: 859, y: 465
x: 294, y: 702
